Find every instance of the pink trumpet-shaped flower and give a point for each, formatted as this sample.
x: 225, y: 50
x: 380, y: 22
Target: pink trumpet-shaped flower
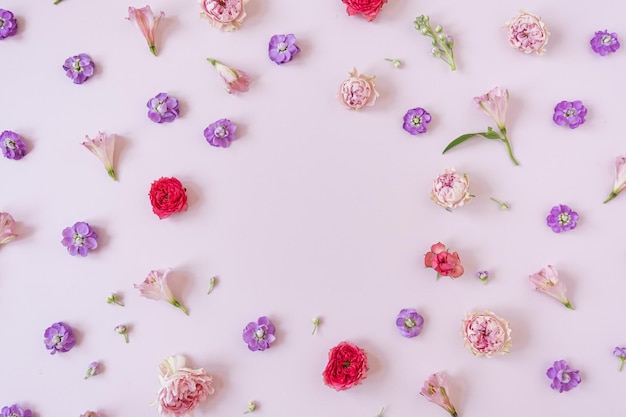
x: 495, y: 103
x: 435, y: 390
x: 547, y: 281
x: 234, y: 80
x: 103, y: 146
x: 155, y: 287
x: 6, y: 228
x: 147, y: 23
x: 620, y: 178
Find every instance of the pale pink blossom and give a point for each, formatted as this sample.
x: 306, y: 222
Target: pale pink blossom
x: 358, y: 91
x: 547, y: 281
x: 155, y: 287
x: 103, y: 146
x: 451, y: 189
x: 147, y: 22
x: 620, y: 178
x: 495, y: 103
x: 226, y: 15
x: 435, y: 390
x: 92, y: 414
x: 486, y: 334
x: 7, y: 225
x: 527, y: 33
x: 234, y: 80
x: 182, y: 389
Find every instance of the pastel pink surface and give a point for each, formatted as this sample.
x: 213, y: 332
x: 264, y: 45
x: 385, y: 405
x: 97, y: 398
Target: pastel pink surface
x: 314, y: 211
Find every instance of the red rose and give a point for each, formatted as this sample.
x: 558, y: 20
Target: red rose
x: 445, y: 263
x: 368, y: 8
x: 347, y: 366
x: 167, y: 196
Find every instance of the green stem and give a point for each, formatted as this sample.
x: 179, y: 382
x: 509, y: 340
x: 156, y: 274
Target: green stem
x: 176, y: 304
x: 126, y: 337
x: 212, y: 61
x: 508, y: 147
x: 153, y: 50
x: 58, y: 1
x: 568, y: 305
x: 611, y: 197
x: 621, y: 365
x: 111, y: 173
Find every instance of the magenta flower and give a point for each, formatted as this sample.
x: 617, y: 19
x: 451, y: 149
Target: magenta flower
x: 8, y: 24
x: 79, y: 239
x: 220, y: 133
x: 103, y: 146
x: 147, y: 23
x: 259, y: 335
x: 620, y: 178
x: 283, y: 48
x: 7, y: 225
x: 59, y: 338
x: 415, y: 121
x: 562, y: 218
x: 15, y: 411
x: 570, y: 113
x: 155, y: 287
x: 547, y: 281
x: 604, y: 43
x: 234, y: 80
x: 435, y: 390
x: 563, y: 377
x: 79, y: 68
x: 162, y: 108
x: 409, y: 322
x: 13, y: 147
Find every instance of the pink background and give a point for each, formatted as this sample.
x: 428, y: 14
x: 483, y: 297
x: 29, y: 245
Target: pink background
x: 314, y: 211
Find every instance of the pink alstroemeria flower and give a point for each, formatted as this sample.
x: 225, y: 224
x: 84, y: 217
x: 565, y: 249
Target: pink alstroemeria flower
x: 435, y: 390
x: 147, y: 23
x: 155, y: 287
x: 103, y: 146
x: 547, y: 281
x: 495, y: 103
x: 6, y: 228
x: 234, y: 80
x: 620, y: 178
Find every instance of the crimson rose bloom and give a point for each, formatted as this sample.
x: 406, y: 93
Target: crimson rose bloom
x: 167, y: 196
x: 347, y: 366
x: 445, y: 263
x: 368, y: 8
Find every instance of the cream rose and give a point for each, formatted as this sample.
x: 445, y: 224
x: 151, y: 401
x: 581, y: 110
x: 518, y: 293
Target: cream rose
x: 527, y: 33
x: 451, y: 189
x: 486, y: 334
x: 358, y: 91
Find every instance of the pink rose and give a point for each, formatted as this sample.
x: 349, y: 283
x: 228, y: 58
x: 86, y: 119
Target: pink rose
x: 445, y: 263
x: 369, y: 9
x: 527, y: 33
x: 486, y: 334
x: 358, y: 91
x: 226, y: 15
x: 451, y: 190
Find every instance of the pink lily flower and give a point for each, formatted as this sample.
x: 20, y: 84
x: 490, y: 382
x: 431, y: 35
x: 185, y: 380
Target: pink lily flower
x: 6, y: 228
x: 620, y: 178
x: 103, y: 146
x: 547, y: 281
x: 147, y: 23
x: 435, y: 390
x: 155, y: 287
x: 235, y: 80
x: 495, y: 103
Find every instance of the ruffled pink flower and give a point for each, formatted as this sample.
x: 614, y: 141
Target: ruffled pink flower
x: 547, y: 281
x: 182, y: 389
x: 495, y: 103
x: 91, y: 414
x: 620, y: 178
x: 446, y: 264
x: 155, y: 287
x: 234, y: 80
x: 435, y: 390
x: 103, y: 146
x: 527, y: 33
x: 451, y: 190
x: 226, y: 15
x: 7, y: 224
x: 486, y: 334
x: 358, y: 91
x: 147, y: 22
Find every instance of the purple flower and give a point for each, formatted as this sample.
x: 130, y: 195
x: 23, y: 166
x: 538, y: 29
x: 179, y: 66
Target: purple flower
x: 604, y: 43
x: 620, y: 352
x: 570, y: 113
x: 220, y: 133
x: 94, y: 369
x: 283, y: 48
x: 563, y: 377
x: 79, y: 68
x: 59, y: 338
x: 79, y: 239
x: 259, y: 335
x: 409, y: 322
x: 483, y: 276
x: 15, y: 411
x: 162, y: 108
x: 415, y: 121
x: 13, y: 147
x: 8, y: 26
x: 562, y: 218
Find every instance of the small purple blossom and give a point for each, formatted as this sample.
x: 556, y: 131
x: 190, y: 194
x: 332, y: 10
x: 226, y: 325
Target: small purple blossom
x: 562, y: 218
x: 162, y: 108
x: 620, y: 352
x: 13, y: 147
x: 123, y: 330
x: 604, y: 43
x: 415, y: 120
x: 79, y: 239
x: 79, y: 68
x: 283, y: 48
x: 259, y: 335
x: 8, y: 24
x: 220, y: 133
x: 483, y: 276
x: 94, y: 369
x: 15, y: 411
x: 570, y: 113
x: 59, y: 338
x: 409, y: 322
x: 563, y: 377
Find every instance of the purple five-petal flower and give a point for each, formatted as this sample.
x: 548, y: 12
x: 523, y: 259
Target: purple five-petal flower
x: 79, y: 68
x: 409, y: 322
x: 59, y: 338
x: 604, y: 43
x: 15, y: 411
x: 259, y: 335
x: 13, y: 147
x: 220, y: 133
x: 562, y: 218
x: 79, y: 239
x: 570, y: 113
x: 8, y: 24
x: 415, y: 120
x: 563, y: 377
x: 282, y: 48
x: 162, y: 108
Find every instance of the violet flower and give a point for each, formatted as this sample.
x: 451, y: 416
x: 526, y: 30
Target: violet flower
x: 220, y: 133
x: 620, y: 352
x: 79, y: 68
x: 604, y: 43
x: 147, y: 23
x: 563, y: 377
x: 7, y: 225
x: 415, y: 121
x: 8, y: 24
x: 13, y: 147
x: 59, y: 338
x: 435, y: 390
x: 570, y: 113
x: 409, y: 322
x: 562, y: 218
x: 103, y: 146
x: 483, y: 276
x: 94, y: 369
x: 162, y: 108
x: 234, y: 80
x: 259, y: 335
x: 283, y: 48
x: 15, y: 411
x: 155, y: 287
x: 79, y: 239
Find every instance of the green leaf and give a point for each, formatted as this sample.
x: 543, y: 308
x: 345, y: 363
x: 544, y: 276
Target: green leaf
x: 459, y: 140
x: 491, y: 134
